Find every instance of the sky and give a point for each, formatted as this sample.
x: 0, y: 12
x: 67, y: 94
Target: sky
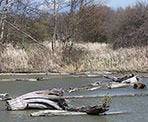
x: 122, y: 3
x: 111, y: 3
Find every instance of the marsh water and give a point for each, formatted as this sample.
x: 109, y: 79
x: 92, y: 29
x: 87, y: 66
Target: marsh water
x: 136, y: 107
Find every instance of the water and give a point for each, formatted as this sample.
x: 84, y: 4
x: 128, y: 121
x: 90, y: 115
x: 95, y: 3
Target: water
x: 137, y: 107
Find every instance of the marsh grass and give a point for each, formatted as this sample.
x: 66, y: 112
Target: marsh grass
x: 82, y: 57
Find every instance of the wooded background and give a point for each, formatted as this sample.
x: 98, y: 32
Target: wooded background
x: 26, y: 21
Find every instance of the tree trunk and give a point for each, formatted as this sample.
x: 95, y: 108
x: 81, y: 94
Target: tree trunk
x: 2, y: 23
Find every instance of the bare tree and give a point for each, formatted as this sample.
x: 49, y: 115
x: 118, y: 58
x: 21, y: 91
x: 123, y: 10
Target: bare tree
x: 5, y: 8
x: 54, y: 6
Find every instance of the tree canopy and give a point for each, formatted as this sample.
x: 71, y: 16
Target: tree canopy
x: 74, y: 20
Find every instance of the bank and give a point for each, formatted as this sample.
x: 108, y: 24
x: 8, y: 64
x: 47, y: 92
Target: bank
x: 81, y: 57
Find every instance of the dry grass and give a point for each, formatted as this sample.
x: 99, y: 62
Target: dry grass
x: 82, y: 57
x: 13, y: 59
x: 133, y: 59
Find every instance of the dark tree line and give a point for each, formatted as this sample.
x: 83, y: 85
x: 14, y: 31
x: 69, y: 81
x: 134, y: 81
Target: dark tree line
x: 81, y: 21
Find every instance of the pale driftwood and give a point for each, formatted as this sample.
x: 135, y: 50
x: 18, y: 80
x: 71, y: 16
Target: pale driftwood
x: 125, y: 81
x: 47, y: 113
x: 91, y: 110
x: 45, y: 99
x: 119, y: 79
x: 56, y: 113
x: 4, y: 96
x: 114, y: 113
x: 114, y: 85
x: 90, y: 87
x: 131, y: 80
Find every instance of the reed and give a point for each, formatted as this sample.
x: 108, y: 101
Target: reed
x: 82, y: 57
x: 12, y: 59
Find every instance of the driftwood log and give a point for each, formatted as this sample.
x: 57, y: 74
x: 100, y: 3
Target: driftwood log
x: 84, y: 110
x: 52, y: 100
x: 139, y: 85
x: 92, y: 110
x: 46, y: 113
x: 45, y: 99
x: 56, y: 113
x: 125, y: 81
x: 4, y: 97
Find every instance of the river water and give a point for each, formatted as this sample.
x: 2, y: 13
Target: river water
x: 136, y: 107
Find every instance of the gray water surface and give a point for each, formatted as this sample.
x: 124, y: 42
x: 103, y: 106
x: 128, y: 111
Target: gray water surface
x: 137, y: 107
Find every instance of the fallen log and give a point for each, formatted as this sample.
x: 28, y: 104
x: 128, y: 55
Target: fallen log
x: 84, y: 110
x: 92, y: 110
x: 90, y: 87
x: 47, y: 113
x: 52, y: 99
x: 125, y: 81
x: 139, y: 85
x: 55, y: 113
x: 4, y: 97
x: 45, y: 99
x: 114, y: 85
x: 119, y: 79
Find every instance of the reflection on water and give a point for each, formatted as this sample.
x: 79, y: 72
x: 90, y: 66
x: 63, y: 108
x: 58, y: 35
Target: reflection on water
x: 135, y: 106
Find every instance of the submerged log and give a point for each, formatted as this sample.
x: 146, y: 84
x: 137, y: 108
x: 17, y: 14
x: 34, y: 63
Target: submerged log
x: 119, y: 79
x: 89, y: 87
x: 92, y: 110
x: 114, y: 85
x: 139, y: 85
x: 125, y: 81
x: 84, y: 110
x: 4, y: 97
x: 50, y: 99
x: 55, y: 113
x: 47, y: 113
x: 45, y: 99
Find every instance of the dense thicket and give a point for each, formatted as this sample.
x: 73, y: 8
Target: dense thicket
x: 84, y: 23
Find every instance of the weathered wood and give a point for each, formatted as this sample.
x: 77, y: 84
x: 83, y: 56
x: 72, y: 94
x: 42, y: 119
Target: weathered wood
x: 92, y: 110
x: 125, y: 81
x: 139, y: 85
x: 90, y: 87
x: 47, y: 113
x: 4, y: 97
x: 56, y: 113
x: 119, y: 79
x: 114, y: 113
x: 45, y: 99
x: 113, y: 85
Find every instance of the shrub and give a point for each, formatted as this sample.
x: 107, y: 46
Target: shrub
x: 130, y: 27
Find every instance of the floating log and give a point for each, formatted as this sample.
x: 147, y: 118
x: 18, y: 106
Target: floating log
x: 47, y: 113
x: 50, y: 99
x: 91, y: 110
x: 125, y: 81
x: 139, y: 85
x: 45, y: 99
x: 113, y: 85
x: 90, y: 87
x: 4, y: 97
x: 84, y: 110
x: 119, y: 79
x: 55, y: 113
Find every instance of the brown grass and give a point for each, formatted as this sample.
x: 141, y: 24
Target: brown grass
x: 82, y: 57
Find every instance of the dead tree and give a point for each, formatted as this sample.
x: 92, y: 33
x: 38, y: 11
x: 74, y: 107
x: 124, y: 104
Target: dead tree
x: 5, y: 8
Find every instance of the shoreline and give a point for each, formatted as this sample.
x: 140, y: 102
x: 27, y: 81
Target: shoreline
x: 86, y: 73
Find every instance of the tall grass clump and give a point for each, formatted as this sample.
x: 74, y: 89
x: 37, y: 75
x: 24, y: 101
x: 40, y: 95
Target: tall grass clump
x: 12, y: 59
x: 124, y: 59
x: 42, y: 60
x: 77, y: 57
